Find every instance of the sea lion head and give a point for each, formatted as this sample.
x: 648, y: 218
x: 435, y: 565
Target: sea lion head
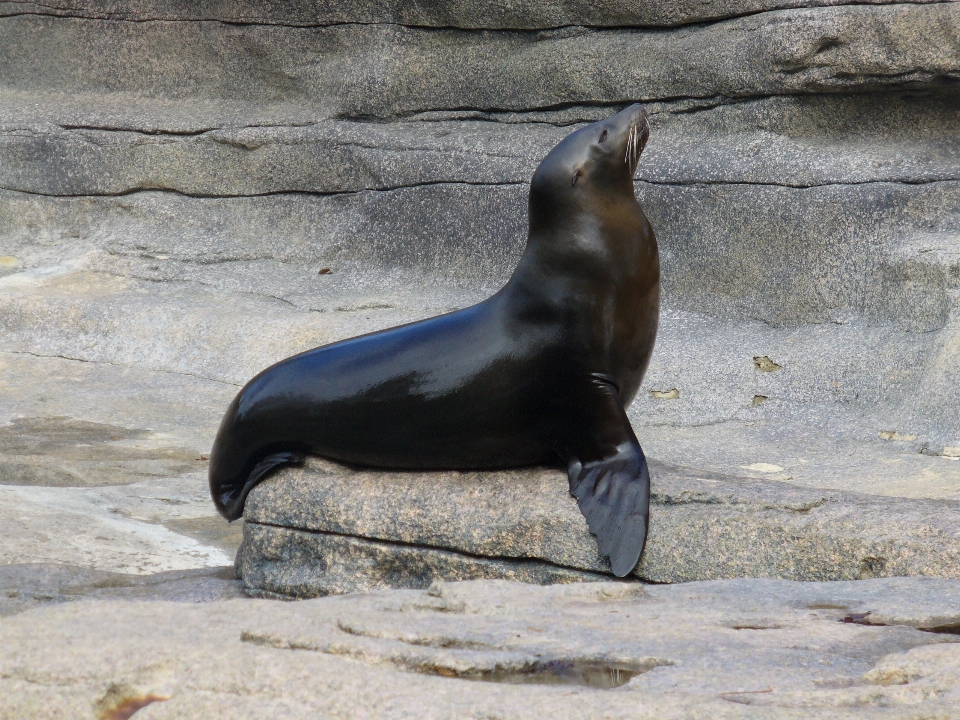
x: 593, y: 163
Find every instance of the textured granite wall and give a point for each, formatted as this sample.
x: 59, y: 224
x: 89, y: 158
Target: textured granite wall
x: 804, y: 168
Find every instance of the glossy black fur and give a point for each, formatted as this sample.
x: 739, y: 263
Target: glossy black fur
x: 540, y: 373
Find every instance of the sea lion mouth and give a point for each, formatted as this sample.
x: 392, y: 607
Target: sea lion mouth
x: 637, y: 137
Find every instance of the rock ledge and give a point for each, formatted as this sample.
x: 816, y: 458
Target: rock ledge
x: 327, y: 529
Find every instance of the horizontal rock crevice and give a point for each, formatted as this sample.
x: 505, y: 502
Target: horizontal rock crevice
x: 368, y: 70
x: 273, y: 193
x: 790, y: 142
x: 458, y: 15
x: 454, y: 184
x: 518, y: 559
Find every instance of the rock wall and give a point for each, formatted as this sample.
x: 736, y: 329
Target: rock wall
x: 803, y: 176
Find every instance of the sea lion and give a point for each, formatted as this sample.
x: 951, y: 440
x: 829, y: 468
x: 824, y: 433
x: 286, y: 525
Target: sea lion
x: 537, y: 374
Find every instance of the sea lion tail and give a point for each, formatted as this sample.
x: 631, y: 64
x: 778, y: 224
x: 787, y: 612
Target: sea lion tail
x: 614, y: 496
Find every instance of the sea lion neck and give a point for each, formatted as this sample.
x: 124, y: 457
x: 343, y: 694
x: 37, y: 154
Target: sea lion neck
x: 594, y: 224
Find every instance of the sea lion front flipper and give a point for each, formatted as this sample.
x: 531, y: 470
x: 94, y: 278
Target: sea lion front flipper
x: 610, y: 480
x: 614, y: 497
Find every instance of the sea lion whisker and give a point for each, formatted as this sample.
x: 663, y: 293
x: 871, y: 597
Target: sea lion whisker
x: 646, y: 123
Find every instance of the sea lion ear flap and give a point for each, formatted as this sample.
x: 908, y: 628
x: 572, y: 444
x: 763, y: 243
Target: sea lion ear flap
x: 576, y: 176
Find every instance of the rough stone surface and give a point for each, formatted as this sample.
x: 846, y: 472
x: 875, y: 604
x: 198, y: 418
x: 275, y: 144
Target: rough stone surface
x: 309, y: 528
x: 505, y: 514
x: 728, y: 649
x: 175, y: 176
x: 795, y: 141
x: 384, y: 71
x: 285, y: 563
x: 831, y: 249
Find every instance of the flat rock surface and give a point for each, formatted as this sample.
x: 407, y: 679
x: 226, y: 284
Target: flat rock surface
x: 721, y: 649
x: 28, y: 585
x: 103, y: 467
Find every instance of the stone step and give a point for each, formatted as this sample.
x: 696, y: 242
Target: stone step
x: 457, y: 231
x: 324, y: 529
x: 362, y: 71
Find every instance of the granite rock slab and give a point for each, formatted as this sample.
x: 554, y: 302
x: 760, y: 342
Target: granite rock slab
x: 305, y: 520
x: 285, y: 563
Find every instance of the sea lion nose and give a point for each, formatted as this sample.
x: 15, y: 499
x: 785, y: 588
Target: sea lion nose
x: 636, y: 113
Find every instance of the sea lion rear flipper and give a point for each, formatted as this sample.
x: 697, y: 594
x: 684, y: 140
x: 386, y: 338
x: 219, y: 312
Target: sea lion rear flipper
x: 610, y: 480
x: 230, y: 497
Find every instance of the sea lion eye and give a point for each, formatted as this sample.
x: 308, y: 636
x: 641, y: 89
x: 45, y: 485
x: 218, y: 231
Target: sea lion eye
x: 576, y: 176
x: 603, y: 136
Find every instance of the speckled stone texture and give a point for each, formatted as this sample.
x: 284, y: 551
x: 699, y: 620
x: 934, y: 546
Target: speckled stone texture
x: 468, y: 14
x: 285, y: 563
x: 326, y: 529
